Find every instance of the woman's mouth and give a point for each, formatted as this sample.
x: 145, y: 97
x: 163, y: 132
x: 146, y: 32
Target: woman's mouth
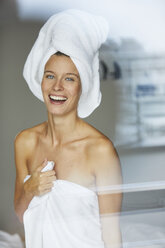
x: 58, y: 100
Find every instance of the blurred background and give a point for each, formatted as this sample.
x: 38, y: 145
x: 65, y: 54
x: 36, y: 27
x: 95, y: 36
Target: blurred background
x: 132, y: 112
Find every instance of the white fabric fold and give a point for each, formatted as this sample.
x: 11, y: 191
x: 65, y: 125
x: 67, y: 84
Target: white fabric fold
x: 68, y: 216
x: 78, y: 34
x: 8, y: 240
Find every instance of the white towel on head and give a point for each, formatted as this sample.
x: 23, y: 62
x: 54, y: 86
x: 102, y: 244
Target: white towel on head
x: 78, y: 34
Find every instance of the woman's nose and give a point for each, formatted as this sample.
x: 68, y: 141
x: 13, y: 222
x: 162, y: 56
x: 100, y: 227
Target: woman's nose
x: 58, y: 85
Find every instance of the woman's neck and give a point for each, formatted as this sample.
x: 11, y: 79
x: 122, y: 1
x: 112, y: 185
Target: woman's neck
x: 62, y: 129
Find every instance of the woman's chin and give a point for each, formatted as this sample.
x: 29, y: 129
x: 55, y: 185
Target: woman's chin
x: 60, y: 112
x: 57, y: 113
x: 53, y: 109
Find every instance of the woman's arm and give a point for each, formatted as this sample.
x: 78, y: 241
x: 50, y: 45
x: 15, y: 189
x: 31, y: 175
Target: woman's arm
x: 21, y: 152
x: 39, y: 182
x: 108, y: 173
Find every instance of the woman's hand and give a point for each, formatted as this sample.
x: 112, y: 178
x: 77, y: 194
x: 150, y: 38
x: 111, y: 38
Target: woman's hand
x: 40, y: 182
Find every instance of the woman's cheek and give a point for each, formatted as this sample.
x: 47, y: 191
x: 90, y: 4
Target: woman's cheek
x: 44, y: 85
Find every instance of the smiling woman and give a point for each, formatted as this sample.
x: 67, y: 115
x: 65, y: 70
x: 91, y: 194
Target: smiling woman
x: 62, y: 163
x: 61, y: 84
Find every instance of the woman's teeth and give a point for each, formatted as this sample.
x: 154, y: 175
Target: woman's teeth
x: 58, y: 98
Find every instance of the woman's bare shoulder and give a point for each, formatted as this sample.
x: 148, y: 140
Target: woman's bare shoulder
x: 103, y: 154
x: 28, y: 137
x: 99, y: 144
x: 98, y: 140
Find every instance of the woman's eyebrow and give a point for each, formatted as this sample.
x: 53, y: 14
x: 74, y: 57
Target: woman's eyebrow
x: 48, y: 71
x: 69, y: 73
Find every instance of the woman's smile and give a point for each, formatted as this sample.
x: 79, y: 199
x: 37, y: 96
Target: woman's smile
x: 57, y: 99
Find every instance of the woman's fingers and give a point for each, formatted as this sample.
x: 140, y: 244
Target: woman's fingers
x: 48, y: 173
x: 42, y: 182
x: 42, y: 189
x: 45, y: 191
x: 47, y: 179
x: 40, y: 167
x: 54, y: 178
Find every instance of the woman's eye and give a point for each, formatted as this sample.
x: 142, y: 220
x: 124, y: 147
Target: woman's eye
x: 69, y: 79
x: 49, y: 76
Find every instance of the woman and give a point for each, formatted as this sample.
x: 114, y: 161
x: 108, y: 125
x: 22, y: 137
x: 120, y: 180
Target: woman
x: 84, y: 157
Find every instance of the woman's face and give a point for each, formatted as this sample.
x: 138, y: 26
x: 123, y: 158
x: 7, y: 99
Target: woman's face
x: 61, y: 86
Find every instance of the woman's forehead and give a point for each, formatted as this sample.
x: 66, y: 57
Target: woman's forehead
x: 61, y: 63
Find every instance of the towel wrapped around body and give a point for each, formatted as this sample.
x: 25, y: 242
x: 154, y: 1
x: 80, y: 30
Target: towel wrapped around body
x: 68, y: 216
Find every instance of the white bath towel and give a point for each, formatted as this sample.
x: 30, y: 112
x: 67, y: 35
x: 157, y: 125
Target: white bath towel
x: 66, y: 217
x: 8, y: 240
x: 78, y: 34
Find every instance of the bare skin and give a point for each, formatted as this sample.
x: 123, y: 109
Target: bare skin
x: 81, y: 153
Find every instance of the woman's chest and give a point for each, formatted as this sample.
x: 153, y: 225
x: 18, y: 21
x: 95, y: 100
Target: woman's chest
x: 71, y: 163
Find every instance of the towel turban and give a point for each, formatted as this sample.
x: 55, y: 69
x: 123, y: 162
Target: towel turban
x: 78, y: 34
